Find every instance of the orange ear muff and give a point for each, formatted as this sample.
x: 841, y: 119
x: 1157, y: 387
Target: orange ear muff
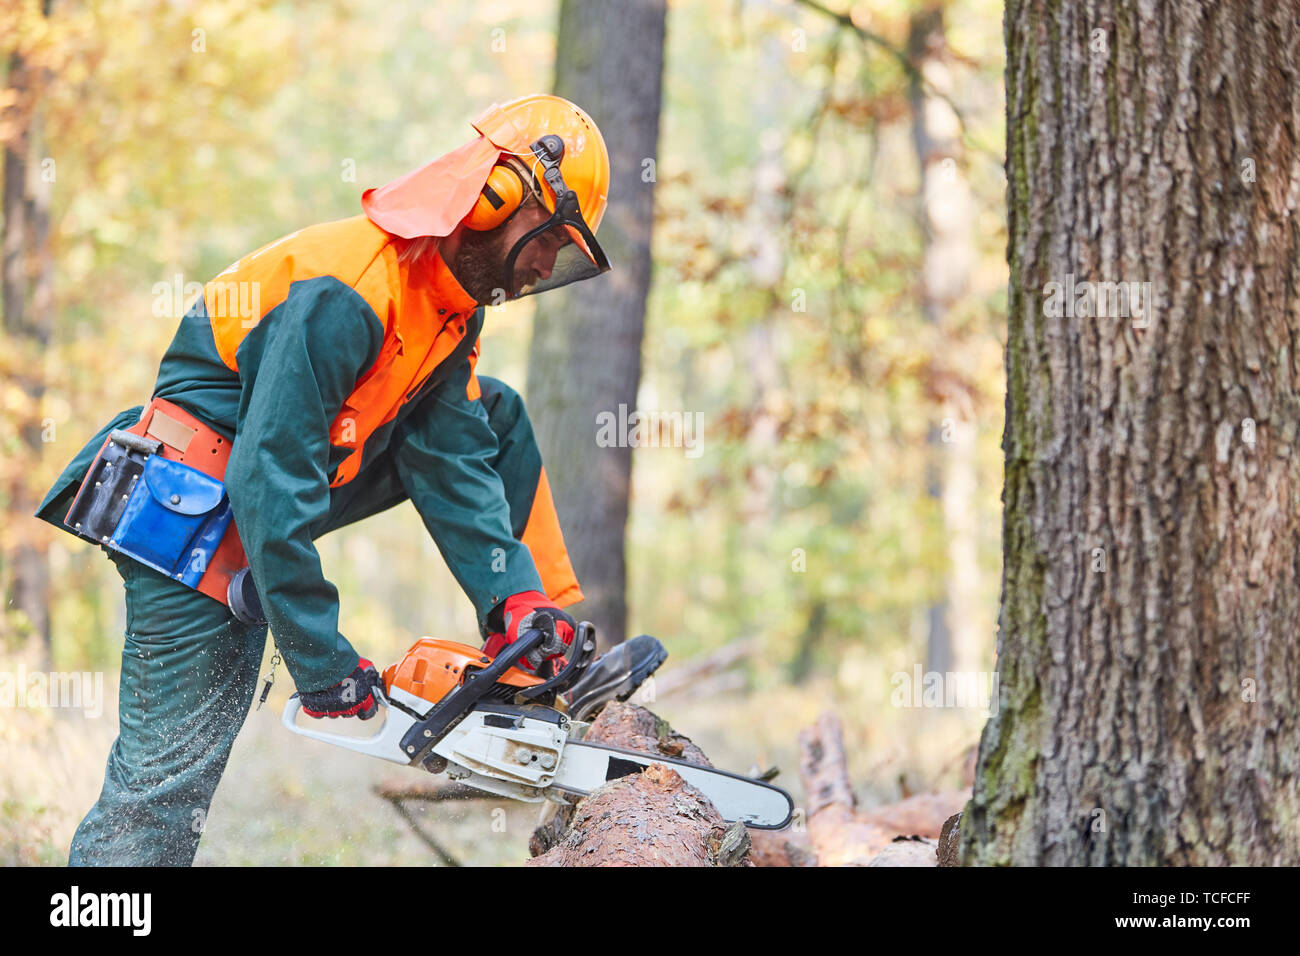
x: 501, y: 196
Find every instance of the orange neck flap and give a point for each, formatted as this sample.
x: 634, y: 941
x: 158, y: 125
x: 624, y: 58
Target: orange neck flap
x: 432, y: 200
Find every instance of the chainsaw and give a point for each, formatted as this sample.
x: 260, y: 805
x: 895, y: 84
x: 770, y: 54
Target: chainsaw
x: 492, y: 725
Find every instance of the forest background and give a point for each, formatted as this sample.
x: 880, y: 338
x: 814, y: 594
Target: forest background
x: 827, y: 302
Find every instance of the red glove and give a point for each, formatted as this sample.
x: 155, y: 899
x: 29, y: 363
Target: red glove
x: 350, y: 697
x: 527, y: 610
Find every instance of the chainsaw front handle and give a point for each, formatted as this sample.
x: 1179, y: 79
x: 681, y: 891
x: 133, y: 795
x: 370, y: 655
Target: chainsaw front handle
x: 584, y: 640
x: 386, y: 743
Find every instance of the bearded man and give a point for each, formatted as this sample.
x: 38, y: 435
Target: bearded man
x: 351, y: 390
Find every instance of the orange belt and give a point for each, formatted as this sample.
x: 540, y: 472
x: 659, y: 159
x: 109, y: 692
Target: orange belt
x: 188, y: 440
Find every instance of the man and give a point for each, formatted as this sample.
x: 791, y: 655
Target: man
x: 351, y: 390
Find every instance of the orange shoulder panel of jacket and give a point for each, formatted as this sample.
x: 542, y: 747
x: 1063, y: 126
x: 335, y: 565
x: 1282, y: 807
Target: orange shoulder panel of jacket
x: 545, y: 543
x: 351, y: 250
x: 428, y: 322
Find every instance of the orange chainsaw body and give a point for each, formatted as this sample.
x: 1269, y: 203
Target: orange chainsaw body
x: 432, y: 669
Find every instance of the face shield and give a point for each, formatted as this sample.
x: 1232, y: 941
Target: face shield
x: 562, y: 249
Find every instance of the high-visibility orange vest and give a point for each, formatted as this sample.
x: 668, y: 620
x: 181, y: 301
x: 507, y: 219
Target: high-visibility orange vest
x: 424, y: 312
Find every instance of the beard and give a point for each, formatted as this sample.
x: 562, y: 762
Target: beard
x: 479, y: 265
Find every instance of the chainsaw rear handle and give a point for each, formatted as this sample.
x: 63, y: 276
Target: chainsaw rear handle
x: 385, y: 744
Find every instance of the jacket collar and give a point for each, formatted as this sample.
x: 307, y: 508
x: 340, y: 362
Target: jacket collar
x: 434, y: 280
x: 448, y: 290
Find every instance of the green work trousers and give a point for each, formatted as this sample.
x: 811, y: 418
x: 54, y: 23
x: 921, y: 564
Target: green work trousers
x: 190, y: 669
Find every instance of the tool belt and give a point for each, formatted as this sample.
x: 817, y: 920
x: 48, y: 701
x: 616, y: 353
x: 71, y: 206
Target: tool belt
x: 155, y: 493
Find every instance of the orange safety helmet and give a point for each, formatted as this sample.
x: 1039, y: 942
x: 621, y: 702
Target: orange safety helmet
x: 539, y: 143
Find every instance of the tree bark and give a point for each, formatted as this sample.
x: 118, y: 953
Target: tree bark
x: 949, y: 849
x: 585, y: 357
x: 1147, y: 660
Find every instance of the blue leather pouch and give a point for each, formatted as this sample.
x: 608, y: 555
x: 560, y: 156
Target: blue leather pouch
x: 174, y: 519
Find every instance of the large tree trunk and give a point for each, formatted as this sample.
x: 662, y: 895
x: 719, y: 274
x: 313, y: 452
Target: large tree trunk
x: 1148, y: 662
x: 586, y: 350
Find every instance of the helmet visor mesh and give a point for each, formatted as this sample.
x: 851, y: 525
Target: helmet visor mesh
x: 577, y: 255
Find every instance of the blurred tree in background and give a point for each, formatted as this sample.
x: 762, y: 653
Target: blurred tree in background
x: 585, y: 358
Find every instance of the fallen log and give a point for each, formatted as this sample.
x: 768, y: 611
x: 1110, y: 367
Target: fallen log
x: 780, y: 848
x: 838, y: 836
x: 922, y: 814
x: 900, y: 834
x: 652, y: 818
x: 633, y: 727
x: 907, y: 851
